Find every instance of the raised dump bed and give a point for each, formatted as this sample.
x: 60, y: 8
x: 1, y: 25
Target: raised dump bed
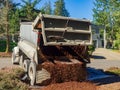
x: 57, y: 30
x: 54, y: 49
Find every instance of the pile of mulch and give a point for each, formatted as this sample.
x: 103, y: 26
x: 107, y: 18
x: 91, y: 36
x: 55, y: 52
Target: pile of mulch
x: 71, y: 86
x: 111, y: 86
x: 64, y: 72
x: 4, y: 54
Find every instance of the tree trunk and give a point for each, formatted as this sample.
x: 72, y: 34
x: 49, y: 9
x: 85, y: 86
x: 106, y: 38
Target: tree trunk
x: 7, y: 40
x: 7, y: 27
x: 105, y: 42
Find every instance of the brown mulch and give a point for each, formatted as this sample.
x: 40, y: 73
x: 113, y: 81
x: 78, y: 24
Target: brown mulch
x: 4, y: 54
x: 112, y: 86
x: 64, y: 72
x: 79, y: 86
x: 70, y: 86
x: 73, y: 85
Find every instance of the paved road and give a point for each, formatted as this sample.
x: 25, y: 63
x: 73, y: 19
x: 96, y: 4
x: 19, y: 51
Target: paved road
x: 5, y: 62
x: 104, y: 58
x: 106, y: 54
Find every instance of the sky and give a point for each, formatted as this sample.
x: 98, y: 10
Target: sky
x: 76, y: 8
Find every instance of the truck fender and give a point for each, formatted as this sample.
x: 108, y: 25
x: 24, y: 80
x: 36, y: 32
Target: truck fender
x: 16, y: 51
x: 34, y: 57
x: 15, y: 55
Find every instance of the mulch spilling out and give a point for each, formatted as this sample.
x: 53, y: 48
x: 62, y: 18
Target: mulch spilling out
x: 71, y: 86
x: 4, y: 54
x: 64, y: 72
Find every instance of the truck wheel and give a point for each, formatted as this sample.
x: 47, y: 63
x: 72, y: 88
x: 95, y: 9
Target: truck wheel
x: 21, y: 61
x: 32, y: 72
x: 26, y: 65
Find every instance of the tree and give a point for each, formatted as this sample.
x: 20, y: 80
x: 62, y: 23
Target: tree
x: 115, y: 5
x: 14, y: 25
x: 60, y: 8
x: 14, y: 21
x: 28, y: 10
x: 1, y: 26
x: 5, y: 8
x: 47, y: 9
x: 103, y: 15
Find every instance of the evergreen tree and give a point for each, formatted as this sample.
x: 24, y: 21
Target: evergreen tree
x: 60, y: 8
x: 115, y: 6
x: 7, y: 7
x: 100, y: 12
x: 4, y: 19
x: 47, y: 9
x: 14, y: 21
x: 28, y: 10
x: 103, y: 15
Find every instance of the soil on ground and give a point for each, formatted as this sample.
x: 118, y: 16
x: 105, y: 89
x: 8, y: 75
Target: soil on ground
x: 73, y: 85
x: 4, y: 54
x: 69, y: 86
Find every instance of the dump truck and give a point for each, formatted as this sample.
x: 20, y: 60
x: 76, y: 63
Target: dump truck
x: 53, y: 49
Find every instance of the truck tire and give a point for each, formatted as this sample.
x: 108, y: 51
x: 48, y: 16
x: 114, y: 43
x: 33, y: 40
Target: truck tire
x: 21, y: 61
x: 32, y: 72
x: 26, y: 64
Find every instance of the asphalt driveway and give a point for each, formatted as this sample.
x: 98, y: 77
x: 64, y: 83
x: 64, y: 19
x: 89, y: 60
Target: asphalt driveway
x: 5, y: 62
x: 104, y: 58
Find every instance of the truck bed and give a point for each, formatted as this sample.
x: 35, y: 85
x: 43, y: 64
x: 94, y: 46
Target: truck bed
x: 58, y: 30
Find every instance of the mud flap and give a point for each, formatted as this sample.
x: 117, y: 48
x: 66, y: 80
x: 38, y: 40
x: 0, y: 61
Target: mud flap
x: 42, y: 75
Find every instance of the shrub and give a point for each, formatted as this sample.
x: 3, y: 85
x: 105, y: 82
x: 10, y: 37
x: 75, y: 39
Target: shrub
x: 3, y: 45
x: 91, y: 49
x: 116, y: 44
